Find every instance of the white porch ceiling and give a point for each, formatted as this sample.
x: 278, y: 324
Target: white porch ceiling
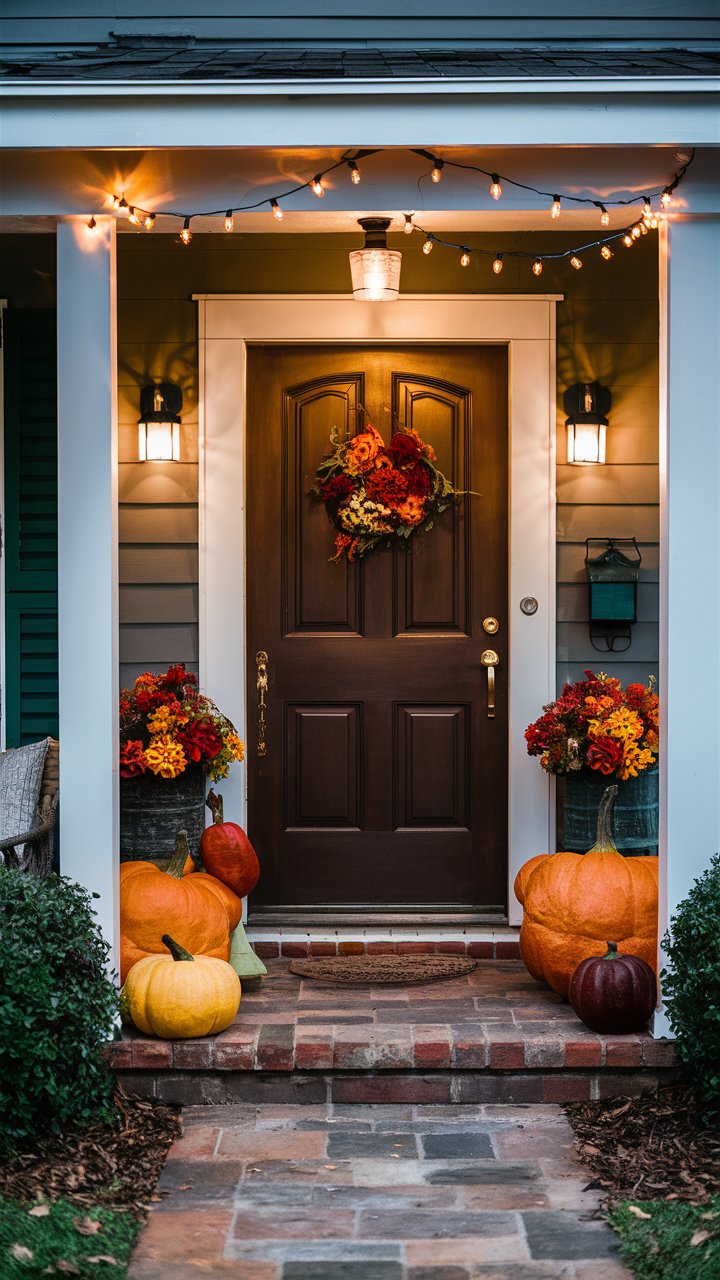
x: 39, y: 186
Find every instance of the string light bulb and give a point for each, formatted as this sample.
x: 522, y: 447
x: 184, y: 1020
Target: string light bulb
x: 229, y: 220
x: 465, y: 259
x: 427, y: 247
x: 555, y: 207
x: 647, y: 208
x: 576, y: 262
x: 133, y: 216
x: 495, y: 188
x: 653, y: 223
x: 149, y: 221
x: 498, y: 264
x: 116, y: 202
x: 628, y: 240
x: 355, y: 176
x: 91, y: 225
x: 643, y: 228
x: 277, y: 212
x: 606, y: 252
x: 604, y: 216
x: 537, y: 267
x: 317, y: 187
x: 636, y: 231
x: 666, y: 198
x: 436, y: 171
x: 186, y: 233
x: 408, y: 228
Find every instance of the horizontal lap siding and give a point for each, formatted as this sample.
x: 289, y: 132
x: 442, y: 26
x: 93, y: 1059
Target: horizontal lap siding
x: 414, y: 23
x: 607, y: 330
x: 612, y: 338
x: 158, y: 514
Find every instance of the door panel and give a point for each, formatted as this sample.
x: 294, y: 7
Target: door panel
x: 384, y: 783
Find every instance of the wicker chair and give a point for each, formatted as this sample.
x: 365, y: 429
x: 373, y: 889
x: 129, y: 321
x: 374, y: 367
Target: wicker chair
x: 37, y: 844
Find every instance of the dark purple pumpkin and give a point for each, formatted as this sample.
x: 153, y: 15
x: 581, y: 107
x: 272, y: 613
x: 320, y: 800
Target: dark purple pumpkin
x: 613, y: 993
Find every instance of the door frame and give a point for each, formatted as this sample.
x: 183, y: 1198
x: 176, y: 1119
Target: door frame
x: 228, y: 323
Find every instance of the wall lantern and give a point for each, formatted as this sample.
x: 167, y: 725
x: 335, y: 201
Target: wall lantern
x: 586, y: 404
x: 375, y: 269
x: 159, y: 423
x: 613, y: 577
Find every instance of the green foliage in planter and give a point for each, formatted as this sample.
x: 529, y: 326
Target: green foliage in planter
x: 691, y: 988
x: 92, y: 1243
x: 674, y: 1240
x: 57, y: 1006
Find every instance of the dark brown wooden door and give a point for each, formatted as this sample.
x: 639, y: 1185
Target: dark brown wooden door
x: 384, y: 783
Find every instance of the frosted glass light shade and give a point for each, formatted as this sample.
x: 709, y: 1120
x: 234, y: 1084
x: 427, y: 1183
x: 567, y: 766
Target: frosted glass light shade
x: 159, y: 441
x: 586, y: 443
x: 375, y: 274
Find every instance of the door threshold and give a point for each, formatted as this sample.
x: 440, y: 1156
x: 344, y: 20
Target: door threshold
x: 424, y: 922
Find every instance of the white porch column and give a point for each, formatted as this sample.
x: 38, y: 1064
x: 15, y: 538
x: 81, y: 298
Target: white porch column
x: 690, y: 560
x: 87, y: 571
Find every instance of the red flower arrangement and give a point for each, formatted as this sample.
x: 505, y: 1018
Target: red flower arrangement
x: 596, y: 724
x: 374, y: 493
x: 166, y: 724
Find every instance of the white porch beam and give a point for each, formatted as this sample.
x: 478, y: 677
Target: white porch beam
x: 512, y: 112
x: 690, y: 553
x: 87, y: 589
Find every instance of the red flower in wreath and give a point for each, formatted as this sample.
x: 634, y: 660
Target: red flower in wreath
x: 388, y: 486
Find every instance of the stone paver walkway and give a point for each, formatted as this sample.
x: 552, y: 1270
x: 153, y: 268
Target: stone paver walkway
x: 359, y: 1192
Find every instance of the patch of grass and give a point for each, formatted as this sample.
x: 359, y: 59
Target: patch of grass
x: 674, y: 1239
x: 91, y: 1244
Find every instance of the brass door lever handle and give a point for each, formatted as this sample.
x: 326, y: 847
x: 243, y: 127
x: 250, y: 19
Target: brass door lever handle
x: 490, y: 661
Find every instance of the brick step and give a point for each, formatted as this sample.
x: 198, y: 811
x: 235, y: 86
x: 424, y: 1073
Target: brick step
x: 492, y: 1035
x: 292, y: 947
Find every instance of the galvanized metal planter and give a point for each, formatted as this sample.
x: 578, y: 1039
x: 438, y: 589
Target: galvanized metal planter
x: 153, y: 810
x: 635, y: 820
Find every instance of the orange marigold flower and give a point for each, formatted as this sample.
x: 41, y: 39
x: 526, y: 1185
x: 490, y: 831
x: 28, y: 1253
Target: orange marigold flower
x: 363, y: 451
x: 412, y: 510
x: 166, y: 757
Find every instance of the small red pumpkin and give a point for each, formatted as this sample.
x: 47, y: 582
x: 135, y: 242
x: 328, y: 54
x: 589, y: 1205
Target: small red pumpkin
x: 614, y: 993
x: 227, y: 853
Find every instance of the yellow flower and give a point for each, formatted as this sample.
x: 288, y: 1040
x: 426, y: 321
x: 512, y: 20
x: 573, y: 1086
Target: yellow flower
x: 162, y: 721
x: 635, y: 761
x: 166, y: 757
x: 235, y: 746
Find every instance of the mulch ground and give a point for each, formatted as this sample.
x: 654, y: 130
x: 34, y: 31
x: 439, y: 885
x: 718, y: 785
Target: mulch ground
x: 106, y: 1164
x: 661, y: 1146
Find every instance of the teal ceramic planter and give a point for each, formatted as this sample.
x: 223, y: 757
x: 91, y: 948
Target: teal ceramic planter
x: 635, y: 818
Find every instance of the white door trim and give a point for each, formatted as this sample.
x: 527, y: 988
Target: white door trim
x: 526, y: 324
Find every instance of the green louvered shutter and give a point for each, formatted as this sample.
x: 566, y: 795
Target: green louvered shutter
x: 30, y: 535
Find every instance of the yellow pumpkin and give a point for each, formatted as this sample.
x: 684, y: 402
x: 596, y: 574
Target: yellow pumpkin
x: 574, y: 902
x: 178, y: 996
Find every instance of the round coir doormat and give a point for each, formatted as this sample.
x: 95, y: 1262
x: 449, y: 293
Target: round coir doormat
x: 382, y: 970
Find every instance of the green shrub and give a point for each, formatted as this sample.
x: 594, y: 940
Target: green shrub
x: 691, y: 988
x: 57, y: 1006
x: 675, y: 1240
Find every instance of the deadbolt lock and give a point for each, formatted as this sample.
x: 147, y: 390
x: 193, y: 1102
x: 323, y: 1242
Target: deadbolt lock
x: 490, y: 626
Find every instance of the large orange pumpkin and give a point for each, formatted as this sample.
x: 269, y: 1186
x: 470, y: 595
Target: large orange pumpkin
x: 574, y: 902
x: 200, y: 912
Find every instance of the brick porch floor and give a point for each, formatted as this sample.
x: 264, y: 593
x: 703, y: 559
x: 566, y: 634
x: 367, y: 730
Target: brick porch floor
x: 494, y: 1035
